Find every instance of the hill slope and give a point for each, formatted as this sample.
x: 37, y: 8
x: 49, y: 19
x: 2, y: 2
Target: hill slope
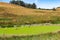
x: 19, y: 10
x: 23, y: 15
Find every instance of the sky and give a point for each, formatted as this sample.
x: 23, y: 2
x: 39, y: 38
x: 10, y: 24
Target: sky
x: 47, y: 4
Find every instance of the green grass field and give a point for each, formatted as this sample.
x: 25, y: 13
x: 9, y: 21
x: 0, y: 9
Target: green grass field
x: 32, y: 30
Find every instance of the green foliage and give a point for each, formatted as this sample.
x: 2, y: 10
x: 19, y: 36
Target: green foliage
x: 6, y: 25
x: 43, y: 32
x: 34, y: 6
x: 54, y: 9
x: 21, y: 3
x: 29, y: 30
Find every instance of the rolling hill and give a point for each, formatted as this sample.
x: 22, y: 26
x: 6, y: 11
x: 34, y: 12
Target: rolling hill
x: 19, y: 10
x: 10, y: 13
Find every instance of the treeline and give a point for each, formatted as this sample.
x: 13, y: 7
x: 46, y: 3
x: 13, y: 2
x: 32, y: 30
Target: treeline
x: 22, y: 3
x: 54, y: 9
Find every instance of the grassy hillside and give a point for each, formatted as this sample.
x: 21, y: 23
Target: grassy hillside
x: 21, y: 15
x: 11, y: 14
x: 19, y: 10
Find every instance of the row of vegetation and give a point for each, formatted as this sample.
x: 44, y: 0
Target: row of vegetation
x: 49, y: 36
x: 22, y: 20
x: 22, y: 3
x: 28, y: 5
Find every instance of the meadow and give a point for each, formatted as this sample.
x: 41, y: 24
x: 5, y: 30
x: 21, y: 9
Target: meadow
x: 25, y: 18
x: 29, y: 30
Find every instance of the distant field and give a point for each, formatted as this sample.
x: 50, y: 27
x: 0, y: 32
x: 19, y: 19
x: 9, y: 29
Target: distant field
x: 28, y: 30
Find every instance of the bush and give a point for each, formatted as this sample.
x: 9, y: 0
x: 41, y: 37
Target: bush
x: 54, y: 9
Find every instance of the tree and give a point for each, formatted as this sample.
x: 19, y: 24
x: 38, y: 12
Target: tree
x: 29, y: 5
x: 54, y: 9
x: 12, y: 1
x: 18, y: 2
x: 34, y: 6
x: 22, y: 3
x: 39, y: 8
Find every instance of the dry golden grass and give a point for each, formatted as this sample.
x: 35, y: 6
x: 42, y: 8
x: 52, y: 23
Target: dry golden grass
x: 19, y: 10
